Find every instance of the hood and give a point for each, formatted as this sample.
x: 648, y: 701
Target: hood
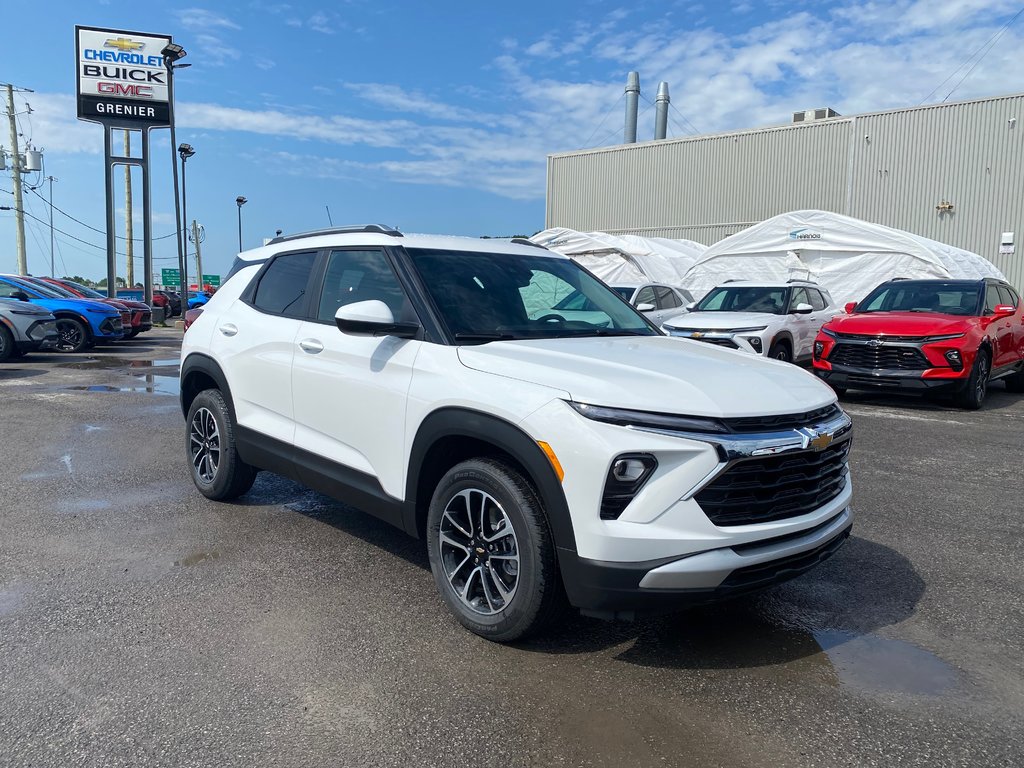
x: 899, y: 324
x: 723, y: 320
x: 655, y: 373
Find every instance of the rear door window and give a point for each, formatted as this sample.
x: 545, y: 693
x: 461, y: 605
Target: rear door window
x: 283, y: 285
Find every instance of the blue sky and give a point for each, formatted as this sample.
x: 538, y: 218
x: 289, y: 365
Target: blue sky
x: 438, y: 117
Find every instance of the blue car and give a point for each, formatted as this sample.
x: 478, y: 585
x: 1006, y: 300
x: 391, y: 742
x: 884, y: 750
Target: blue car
x: 81, y: 323
x: 197, y: 299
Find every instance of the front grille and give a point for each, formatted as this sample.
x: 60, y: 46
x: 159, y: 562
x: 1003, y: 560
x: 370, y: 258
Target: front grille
x: 869, y: 337
x: 766, y: 488
x: 720, y: 342
x: 887, y: 357
x: 785, y: 421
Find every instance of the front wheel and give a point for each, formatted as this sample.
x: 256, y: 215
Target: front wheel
x: 972, y: 396
x: 72, y: 335
x: 6, y: 344
x: 217, y: 470
x: 491, y: 551
x: 780, y: 351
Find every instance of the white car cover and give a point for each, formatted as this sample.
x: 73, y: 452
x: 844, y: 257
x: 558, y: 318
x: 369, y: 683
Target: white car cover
x: 625, y: 259
x: 847, y: 256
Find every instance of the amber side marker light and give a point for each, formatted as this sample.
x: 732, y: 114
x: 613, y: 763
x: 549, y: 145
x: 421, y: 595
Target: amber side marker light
x: 550, y: 453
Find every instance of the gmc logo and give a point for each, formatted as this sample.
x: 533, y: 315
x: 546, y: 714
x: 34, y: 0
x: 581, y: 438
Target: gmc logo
x: 125, y: 89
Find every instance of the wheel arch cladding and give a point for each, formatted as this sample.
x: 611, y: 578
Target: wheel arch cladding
x: 200, y: 372
x: 449, y: 436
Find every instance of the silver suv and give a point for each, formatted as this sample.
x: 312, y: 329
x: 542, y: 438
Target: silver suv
x: 24, y: 327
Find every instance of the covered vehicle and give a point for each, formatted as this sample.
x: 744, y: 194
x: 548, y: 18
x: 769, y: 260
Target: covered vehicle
x: 24, y: 327
x: 847, y: 256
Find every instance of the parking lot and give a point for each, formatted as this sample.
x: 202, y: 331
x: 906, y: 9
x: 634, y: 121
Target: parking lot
x: 141, y: 624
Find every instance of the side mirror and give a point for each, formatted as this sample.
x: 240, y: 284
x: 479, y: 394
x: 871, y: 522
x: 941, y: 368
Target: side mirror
x: 850, y: 307
x: 690, y: 306
x: 1004, y: 310
x: 803, y: 309
x: 645, y: 307
x: 372, y: 318
x: 19, y: 295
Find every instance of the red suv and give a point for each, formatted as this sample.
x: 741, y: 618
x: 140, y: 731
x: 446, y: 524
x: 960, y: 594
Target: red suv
x: 956, y: 335
x: 140, y: 318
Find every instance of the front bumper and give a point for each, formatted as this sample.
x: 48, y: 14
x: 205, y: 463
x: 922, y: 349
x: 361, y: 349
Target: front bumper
x: 888, y: 379
x: 624, y: 590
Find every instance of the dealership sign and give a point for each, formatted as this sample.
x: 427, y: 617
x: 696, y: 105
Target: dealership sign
x: 122, y: 77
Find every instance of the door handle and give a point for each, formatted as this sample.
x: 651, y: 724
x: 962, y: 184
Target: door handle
x: 312, y: 346
x: 228, y: 329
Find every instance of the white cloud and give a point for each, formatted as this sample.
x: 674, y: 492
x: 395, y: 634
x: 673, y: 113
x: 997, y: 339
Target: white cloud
x: 199, y: 18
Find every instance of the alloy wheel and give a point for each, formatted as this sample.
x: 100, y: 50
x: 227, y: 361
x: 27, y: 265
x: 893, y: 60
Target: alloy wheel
x: 69, y: 337
x: 479, y: 551
x: 204, y: 445
x: 982, y: 384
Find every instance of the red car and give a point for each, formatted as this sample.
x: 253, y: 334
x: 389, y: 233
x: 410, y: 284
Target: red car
x: 954, y: 335
x: 140, y: 317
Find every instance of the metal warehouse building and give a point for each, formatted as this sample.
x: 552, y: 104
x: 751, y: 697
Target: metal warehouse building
x: 950, y: 172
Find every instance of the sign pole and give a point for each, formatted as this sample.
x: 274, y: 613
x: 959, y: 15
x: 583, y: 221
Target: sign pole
x: 108, y: 167
x: 147, y: 223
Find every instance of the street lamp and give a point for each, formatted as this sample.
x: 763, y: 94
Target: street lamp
x: 172, y: 53
x: 185, y: 151
x: 240, y: 201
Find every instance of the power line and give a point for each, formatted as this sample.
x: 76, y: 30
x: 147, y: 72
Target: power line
x: 94, y: 229
x: 989, y: 44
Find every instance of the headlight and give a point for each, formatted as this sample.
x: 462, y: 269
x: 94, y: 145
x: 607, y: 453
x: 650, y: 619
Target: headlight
x: 627, y: 475
x: 624, y: 417
x: 107, y: 312
x: 831, y: 334
x: 819, y: 347
x: 930, y: 339
x: 29, y: 312
x: 747, y: 330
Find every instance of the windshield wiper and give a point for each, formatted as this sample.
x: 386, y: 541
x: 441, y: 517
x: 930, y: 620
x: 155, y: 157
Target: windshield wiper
x: 485, y: 336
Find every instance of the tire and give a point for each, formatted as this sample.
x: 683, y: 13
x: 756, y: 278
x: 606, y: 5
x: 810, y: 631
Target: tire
x: 6, y: 344
x: 972, y: 395
x: 132, y: 333
x: 217, y: 470
x: 512, y: 590
x: 72, y: 335
x: 780, y: 350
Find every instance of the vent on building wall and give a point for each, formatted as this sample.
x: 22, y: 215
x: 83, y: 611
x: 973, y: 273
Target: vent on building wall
x: 810, y: 115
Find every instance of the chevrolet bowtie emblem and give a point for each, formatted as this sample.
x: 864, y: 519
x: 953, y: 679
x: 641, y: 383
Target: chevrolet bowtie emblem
x: 696, y: 335
x: 124, y: 44
x: 821, y: 442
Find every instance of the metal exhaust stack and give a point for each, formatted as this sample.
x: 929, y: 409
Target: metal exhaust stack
x: 632, y: 104
x: 661, y: 111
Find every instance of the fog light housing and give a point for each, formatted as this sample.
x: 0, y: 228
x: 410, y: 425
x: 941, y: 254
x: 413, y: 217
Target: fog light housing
x: 819, y: 349
x: 955, y: 361
x: 755, y: 343
x: 626, y: 476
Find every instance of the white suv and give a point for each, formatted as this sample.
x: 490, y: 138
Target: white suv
x: 777, y: 320
x: 411, y: 376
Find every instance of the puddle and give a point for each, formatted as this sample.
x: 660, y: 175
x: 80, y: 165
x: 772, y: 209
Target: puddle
x: 195, y: 558
x: 878, y: 664
x: 119, y: 363
x: 150, y: 383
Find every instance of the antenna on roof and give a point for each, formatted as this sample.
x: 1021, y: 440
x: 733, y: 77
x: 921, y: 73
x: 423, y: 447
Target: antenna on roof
x: 329, y: 220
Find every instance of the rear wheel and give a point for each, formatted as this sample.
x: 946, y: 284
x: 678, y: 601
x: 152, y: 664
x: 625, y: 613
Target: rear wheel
x: 491, y: 551
x: 6, y: 344
x: 972, y: 396
x: 72, y: 335
x: 217, y: 470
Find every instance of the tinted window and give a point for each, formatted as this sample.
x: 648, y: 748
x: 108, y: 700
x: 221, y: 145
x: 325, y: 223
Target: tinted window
x: 925, y: 296
x: 7, y: 290
x: 1006, y: 296
x: 816, y: 299
x: 487, y: 296
x: 645, y: 296
x: 667, y: 298
x: 354, y: 276
x: 799, y: 297
x: 282, y: 288
x: 745, y: 299
x: 991, y: 298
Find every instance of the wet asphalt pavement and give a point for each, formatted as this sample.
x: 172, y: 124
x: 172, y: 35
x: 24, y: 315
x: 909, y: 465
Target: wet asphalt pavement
x: 142, y: 625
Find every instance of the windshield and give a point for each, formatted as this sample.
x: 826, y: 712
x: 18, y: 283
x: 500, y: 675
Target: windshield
x: 932, y: 296
x: 745, y: 299
x: 55, y: 291
x: 85, y: 290
x: 40, y: 290
x: 488, y: 296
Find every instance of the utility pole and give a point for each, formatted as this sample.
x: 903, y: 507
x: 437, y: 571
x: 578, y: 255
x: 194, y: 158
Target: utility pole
x: 128, y: 229
x: 19, y: 206
x: 51, y: 179
x: 199, y: 256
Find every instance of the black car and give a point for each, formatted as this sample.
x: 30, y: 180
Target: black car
x: 175, y: 301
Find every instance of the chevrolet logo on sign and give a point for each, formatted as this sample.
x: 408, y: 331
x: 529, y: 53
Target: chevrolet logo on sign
x: 821, y: 442
x: 124, y: 44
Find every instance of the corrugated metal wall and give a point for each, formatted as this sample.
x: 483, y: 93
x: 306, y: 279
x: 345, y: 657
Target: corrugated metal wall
x: 892, y: 168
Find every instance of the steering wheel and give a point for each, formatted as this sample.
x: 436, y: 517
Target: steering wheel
x: 550, y: 317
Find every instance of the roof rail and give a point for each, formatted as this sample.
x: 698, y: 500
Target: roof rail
x: 527, y: 241
x: 801, y: 280
x: 380, y: 229
x: 732, y: 280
